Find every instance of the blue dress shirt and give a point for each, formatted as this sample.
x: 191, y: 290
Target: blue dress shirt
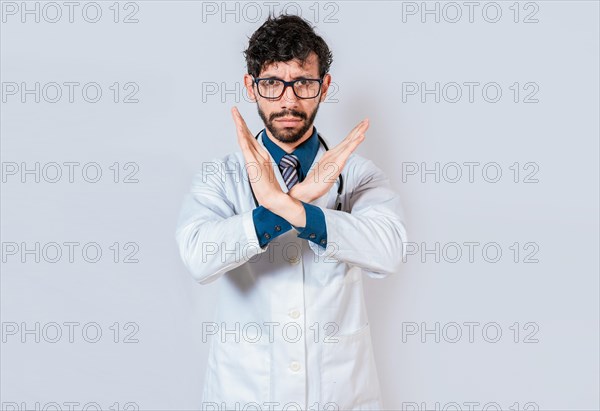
x: 269, y: 225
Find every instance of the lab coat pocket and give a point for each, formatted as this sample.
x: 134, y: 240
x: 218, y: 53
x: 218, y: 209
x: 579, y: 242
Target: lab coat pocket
x: 349, y: 378
x: 240, y: 375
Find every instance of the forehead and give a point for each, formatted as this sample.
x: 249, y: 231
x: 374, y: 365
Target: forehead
x: 293, y: 67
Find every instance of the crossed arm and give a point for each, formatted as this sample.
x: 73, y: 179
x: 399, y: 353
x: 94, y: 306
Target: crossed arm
x: 372, y: 235
x: 278, y: 211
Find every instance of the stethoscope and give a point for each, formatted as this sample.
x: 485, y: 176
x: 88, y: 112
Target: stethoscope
x: 338, y: 203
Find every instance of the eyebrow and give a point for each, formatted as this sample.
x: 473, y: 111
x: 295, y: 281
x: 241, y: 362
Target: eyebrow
x: 305, y: 75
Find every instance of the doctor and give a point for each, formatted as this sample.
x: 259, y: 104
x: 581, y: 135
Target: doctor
x: 291, y: 329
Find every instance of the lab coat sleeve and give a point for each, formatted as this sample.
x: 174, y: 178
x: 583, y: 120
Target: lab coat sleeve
x: 211, y: 237
x: 372, y: 235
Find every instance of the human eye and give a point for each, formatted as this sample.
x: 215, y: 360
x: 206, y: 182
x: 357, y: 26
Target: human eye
x: 271, y: 81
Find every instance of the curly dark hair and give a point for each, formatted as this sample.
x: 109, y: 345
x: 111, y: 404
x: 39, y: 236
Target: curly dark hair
x: 285, y: 38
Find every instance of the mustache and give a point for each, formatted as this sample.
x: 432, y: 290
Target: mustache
x: 291, y: 113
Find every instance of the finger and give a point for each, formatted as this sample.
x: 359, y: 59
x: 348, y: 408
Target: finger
x: 356, y: 131
x: 245, y: 135
x: 262, y: 151
x: 360, y: 129
x: 248, y: 144
x: 241, y: 127
x: 240, y: 124
x: 237, y: 116
x: 237, y: 119
x: 357, y: 138
x: 258, y: 152
x: 252, y: 148
x: 350, y: 147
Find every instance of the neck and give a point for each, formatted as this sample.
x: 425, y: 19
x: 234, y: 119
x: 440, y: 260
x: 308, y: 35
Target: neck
x: 289, y: 147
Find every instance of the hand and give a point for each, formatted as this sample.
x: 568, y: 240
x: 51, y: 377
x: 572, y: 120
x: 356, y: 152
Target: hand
x: 260, y: 173
x: 321, y: 178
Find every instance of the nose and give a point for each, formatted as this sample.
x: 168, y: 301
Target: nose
x: 289, y: 96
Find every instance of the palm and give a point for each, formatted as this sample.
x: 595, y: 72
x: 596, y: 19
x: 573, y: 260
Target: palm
x: 258, y: 162
x: 321, y: 178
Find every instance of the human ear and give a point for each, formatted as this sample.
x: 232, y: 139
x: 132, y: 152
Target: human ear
x: 325, y: 87
x: 249, y: 84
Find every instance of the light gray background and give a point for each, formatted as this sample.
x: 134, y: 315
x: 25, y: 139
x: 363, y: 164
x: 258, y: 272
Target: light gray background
x: 172, y: 54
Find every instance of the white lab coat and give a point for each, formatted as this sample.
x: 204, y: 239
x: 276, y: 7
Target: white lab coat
x: 296, y: 308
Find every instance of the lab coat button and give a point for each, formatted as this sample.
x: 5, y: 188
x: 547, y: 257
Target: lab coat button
x: 323, y: 241
x: 267, y: 236
x: 294, y: 314
x: 295, y: 366
x: 312, y: 235
x: 277, y: 228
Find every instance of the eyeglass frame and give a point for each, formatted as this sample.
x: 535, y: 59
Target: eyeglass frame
x: 287, y: 84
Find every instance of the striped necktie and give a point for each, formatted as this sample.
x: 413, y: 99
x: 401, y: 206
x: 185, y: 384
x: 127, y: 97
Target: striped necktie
x: 289, y: 169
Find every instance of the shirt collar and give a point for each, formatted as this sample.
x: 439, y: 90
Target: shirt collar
x: 306, y: 152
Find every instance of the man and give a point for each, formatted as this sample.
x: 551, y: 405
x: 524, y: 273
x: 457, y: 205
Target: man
x: 292, y: 330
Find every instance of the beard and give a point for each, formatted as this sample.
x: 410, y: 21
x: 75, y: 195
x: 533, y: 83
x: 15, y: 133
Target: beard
x: 288, y: 134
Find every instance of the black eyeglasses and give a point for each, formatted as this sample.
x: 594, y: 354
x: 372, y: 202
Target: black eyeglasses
x: 273, y: 88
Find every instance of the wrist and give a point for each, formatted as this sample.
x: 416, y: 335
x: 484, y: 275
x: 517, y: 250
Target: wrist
x: 288, y: 208
x: 299, y: 193
x: 278, y: 202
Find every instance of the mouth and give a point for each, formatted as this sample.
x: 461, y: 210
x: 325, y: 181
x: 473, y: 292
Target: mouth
x: 288, y: 121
